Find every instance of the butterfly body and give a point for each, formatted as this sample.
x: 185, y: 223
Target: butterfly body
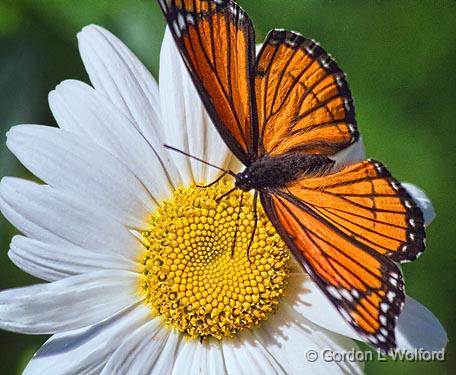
x: 272, y: 172
x: 285, y: 112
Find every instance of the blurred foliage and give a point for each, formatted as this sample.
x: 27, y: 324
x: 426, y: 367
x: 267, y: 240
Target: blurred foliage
x: 399, y: 55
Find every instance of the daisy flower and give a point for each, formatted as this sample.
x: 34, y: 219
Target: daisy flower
x: 141, y: 275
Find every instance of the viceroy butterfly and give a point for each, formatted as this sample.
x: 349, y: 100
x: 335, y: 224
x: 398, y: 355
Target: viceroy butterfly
x: 283, y: 113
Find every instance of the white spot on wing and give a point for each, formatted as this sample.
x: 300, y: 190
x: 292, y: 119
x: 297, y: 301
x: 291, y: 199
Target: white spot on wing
x: 345, y: 314
x: 339, y: 81
x: 346, y: 294
x: 273, y: 41
x: 391, y: 295
x: 373, y: 339
x: 240, y: 15
x: 176, y: 29
x: 190, y: 19
x: 378, y: 167
x: 181, y: 21
x: 310, y: 47
x: 163, y: 4
x: 333, y: 291
x: 325, y: 61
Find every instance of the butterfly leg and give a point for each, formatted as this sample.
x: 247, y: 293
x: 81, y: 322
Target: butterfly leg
x: 255, y: 222
x: 213, y: 182
x: 237, y: 225
x: 225, y: 194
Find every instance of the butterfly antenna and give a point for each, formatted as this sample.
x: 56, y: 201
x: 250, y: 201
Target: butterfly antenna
x: 213, y: 182
x: 231, y: 173
x: 237, y: 225
x: 225, y: 194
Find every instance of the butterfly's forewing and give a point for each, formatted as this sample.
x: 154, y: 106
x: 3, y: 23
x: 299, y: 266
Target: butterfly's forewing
x: 303, y: 100
x: 216, y: 40
x: 346, y: 228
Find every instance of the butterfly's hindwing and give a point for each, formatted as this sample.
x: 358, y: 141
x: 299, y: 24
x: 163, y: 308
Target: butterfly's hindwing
x: 366, y: 288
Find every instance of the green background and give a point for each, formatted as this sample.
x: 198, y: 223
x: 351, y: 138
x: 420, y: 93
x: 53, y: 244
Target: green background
x: 400, y: 57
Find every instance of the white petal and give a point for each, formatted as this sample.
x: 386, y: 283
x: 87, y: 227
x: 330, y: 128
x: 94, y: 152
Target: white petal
x: 187, y: 124
x: 67, y: 304
x: 118, y: 74
x: 288, y: 336
x: 52, y: 262
x: 352, y: 154
x: 187, y: 358
x: 420, y: 197
x: 315, y: 306
x: 80, y: 109
x: 417, y: 327
x: 140, y: 350
x: 204, y: 358
x: 212, y: 358
x: 86, y: 350
x: 245, y: 355
x: 165, y: 362
x: 76, y: 165
x: 45, y: 214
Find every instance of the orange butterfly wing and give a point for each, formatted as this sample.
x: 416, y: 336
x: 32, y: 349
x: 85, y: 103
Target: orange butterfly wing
x: 346, y: 228
x: 303, y: 100
x: 217, y: 43
x: 367, y: 204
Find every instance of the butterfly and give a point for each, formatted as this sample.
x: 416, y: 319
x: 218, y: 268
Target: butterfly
x: 283, y: 113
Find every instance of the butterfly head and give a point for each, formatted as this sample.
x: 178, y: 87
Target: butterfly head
x: 244, y: 180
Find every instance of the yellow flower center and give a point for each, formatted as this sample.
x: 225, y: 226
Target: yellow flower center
x: 196, y: 280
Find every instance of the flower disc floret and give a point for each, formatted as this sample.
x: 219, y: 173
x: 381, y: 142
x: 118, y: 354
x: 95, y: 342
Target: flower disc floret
x: 198, y: 275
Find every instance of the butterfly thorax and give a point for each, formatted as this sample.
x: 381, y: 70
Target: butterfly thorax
x: 277, y: 171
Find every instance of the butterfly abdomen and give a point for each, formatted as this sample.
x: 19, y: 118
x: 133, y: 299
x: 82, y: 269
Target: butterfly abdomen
x: 277, y: 171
